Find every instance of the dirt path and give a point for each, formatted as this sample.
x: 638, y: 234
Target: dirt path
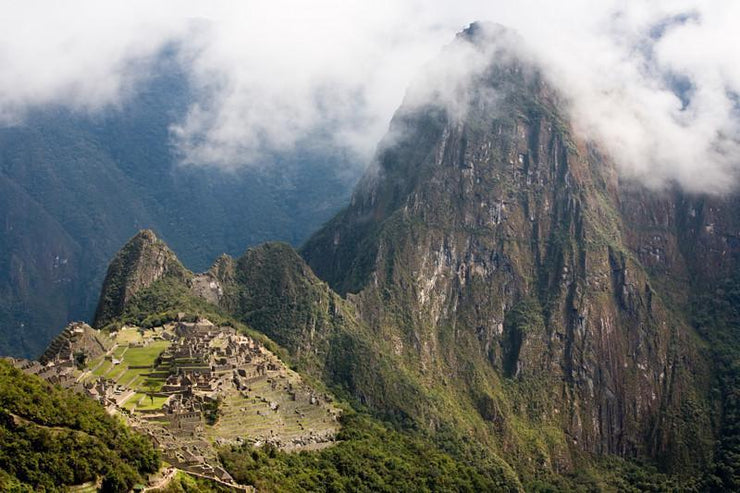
x: 20, y: 420
x: 169, y: 474
x: 235, y: 487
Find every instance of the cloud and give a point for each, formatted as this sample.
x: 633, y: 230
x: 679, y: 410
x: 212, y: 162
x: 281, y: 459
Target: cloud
x: 656, y: 83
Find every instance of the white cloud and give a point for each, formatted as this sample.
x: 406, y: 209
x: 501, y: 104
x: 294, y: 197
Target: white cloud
x: 272, y: 73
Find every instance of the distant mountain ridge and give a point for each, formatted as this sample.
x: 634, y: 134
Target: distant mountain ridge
x: 74, y: 187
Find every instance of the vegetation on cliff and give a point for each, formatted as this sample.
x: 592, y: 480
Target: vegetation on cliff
x: 143, y: 260
x: 370, y: 456
x: 717, y: 315
x: 51, y: 439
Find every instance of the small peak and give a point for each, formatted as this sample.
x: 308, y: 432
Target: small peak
x: 223, y: 268
x: 143, y: 260
x: 223, y: 259
x: 146, y: 234
x: 489, y: 32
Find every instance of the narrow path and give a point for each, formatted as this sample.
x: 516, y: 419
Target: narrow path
x: 234, y: 486
x: 20, y: 420
x: 169, y: 475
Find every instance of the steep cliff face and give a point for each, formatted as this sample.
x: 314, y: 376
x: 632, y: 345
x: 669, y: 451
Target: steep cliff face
x: 142, y: 261
x: 495, y: 250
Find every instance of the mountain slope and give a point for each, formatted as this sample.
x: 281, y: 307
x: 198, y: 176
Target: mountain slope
x: 273, y: 288
x: 52, y: 439
x: 496, y: 291
x: 142, y: 261
x: 496, y: 252
x: 76, y: 186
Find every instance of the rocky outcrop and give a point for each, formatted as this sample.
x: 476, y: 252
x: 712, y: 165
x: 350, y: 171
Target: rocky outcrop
x: 214, y: 284
x: 142, y: 261
x: 78, y: 342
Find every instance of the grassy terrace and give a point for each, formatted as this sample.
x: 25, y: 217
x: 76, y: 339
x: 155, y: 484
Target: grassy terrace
x: 253, y: 417
x: 144, y: 402
x: 145, y: 356
x: 135, y: 365
x: 128, y: 335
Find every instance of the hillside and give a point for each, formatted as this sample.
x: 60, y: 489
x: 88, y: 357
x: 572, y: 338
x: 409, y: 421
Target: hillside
x: 74, y: 187
x: 52, y: 439
x: 382, y: 442
x: 220, y: 401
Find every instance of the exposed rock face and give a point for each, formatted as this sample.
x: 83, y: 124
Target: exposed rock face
x: 142, y: 261
x: 501, y: 244
x: 210, y: 285
x: 77, y: 341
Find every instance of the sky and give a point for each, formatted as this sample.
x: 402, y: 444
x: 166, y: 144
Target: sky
x: 656, y: 83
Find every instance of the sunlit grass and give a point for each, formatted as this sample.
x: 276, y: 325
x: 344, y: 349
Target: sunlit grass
x: 145, y: 356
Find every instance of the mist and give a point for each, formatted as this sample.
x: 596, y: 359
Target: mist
x: 656, y: 83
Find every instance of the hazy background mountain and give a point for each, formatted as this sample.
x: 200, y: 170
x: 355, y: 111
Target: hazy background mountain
x: 95, y: 120
x: 74, y: 186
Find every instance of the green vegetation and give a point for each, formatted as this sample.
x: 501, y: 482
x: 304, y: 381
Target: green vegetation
x: 525, y: 319
x: 184, y: 483
x: 141, y: 261
x: 717, y: 317
x: 145, y: 356
x: 611, y: 473
x: 370, y: 456
x: 50, y: 438
x: 211, y: 409
x: 135, y: 366
x: 144, y: 402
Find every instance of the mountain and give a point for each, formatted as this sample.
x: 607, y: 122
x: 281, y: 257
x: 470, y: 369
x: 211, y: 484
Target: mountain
x: 497, y: 308
x: 491, y: 253
x: 494, y: 275
x: 142, y: 261
x: 75, y: 186
x: 160, y: 364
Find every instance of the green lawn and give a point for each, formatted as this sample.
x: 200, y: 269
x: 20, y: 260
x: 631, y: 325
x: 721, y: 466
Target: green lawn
x: 151, y: 384
x: 132, y: 401
x: 128, y: 335
x: 145, y: 356
x: 116, y: 372
x: 102, y: 369
x: 129, y: 377
x: 118, y: 353
x: 143, y: 402
x: 150, y: 403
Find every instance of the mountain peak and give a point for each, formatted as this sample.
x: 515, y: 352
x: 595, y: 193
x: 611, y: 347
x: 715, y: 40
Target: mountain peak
x: 144, y: 235
x: 143, y: 260
x: 489, y: 237
x: 479, y: 32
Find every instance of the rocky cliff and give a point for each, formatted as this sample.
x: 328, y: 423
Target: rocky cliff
x: 142, y: 261
x: 499, y: 250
